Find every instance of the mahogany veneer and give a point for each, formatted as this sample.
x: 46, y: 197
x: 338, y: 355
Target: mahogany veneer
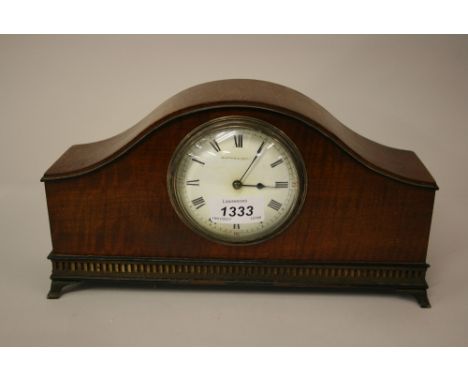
x: 365, y: 222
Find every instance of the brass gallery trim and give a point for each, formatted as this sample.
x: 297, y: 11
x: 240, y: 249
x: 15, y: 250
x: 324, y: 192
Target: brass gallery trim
x: 411, y: 274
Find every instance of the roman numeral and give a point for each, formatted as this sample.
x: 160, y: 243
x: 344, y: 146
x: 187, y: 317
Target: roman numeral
x: 274, y: 204
x: 215, y: 145
x: 274, y: 164
x: 198, y: 202
x: 195, y: 182
x: 260, y: 148
x: 238, y: 140
x: 281, y: 184
x: 236, y: 226
x: 196, y: 160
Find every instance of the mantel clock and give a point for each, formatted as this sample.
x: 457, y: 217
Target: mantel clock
x: 240, y: 183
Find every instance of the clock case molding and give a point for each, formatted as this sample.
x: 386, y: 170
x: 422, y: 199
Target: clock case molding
x: 364, y: 225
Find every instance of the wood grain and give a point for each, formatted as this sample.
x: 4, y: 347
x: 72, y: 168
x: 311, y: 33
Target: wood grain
x: 399, y: 164
x: 351, y: 214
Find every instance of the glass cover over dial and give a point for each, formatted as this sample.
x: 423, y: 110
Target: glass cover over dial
x: 237, y: 180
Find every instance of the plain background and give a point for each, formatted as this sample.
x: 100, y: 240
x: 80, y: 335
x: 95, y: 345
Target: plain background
x: 409, y: 92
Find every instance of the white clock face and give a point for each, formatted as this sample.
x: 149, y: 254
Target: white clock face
x: 237, y: 180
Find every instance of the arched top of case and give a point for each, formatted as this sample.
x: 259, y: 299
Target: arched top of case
x: 401, y: 165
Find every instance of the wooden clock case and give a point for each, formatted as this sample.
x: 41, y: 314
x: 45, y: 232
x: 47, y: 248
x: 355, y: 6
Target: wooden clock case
x: 364, y: 224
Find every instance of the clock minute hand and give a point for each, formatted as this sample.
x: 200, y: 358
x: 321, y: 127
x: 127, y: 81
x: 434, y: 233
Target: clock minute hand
x: 253, y: 160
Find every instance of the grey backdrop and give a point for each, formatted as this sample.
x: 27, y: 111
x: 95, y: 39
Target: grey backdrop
x: 55, y: 91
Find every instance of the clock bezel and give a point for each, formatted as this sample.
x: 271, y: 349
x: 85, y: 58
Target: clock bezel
x: 238, y: 121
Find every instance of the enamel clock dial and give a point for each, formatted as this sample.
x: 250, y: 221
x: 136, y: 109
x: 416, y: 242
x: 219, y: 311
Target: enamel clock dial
x: 237, y: 180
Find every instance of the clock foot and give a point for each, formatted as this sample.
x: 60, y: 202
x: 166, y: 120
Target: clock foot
x: 421, y: 298
x: 56, y: 288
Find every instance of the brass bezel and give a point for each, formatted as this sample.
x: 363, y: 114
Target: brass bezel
x: 236, y: 122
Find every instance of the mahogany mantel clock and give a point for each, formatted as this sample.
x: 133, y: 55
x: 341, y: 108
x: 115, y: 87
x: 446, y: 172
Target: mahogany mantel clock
x: 241, y: 183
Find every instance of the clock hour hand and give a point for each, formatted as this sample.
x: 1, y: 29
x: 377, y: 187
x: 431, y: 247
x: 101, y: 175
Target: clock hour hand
x: 238, y: 184
x: 258, y: 185
x: 253, y: 160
